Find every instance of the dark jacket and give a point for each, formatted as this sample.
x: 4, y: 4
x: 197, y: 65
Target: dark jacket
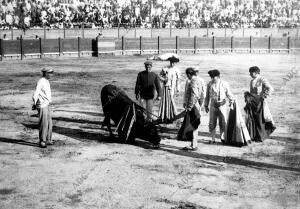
x: 146, y: 84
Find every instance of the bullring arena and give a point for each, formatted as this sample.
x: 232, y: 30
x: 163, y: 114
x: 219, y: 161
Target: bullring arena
x: 85, y: 169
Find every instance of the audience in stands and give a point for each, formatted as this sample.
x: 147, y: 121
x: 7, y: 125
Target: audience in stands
x: 149, y: 13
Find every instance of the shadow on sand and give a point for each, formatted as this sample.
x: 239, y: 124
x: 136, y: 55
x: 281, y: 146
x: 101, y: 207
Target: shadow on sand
x: 82, y: 112
x: 167, y: 131
x: 222, y: 159
x: 21, y: 142
x: 78, y: 134
x: 76, y: 120
x: 82, y: 135
x: 285, y: 139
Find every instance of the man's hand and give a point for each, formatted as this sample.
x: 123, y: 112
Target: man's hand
x: 158, y: 98
x: 33, y: 107
x: 263, y: 95
x: 206, y: 109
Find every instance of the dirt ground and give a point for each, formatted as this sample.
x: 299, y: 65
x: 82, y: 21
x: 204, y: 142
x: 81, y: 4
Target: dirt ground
x: 84, y: 169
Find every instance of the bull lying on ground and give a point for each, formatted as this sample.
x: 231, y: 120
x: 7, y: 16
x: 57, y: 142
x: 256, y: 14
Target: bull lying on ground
x: 127, y: 115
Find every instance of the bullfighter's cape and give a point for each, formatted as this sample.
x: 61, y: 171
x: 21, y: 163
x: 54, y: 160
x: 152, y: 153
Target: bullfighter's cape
x: 257, y: 126
x: 236, y: 130
x: 190, y: 123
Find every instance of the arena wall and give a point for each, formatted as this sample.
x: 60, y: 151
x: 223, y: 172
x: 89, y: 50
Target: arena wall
x: 144, y: 45
x: 47, y: 33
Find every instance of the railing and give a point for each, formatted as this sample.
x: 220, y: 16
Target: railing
x: 94, y: 47
x: 48, y: 33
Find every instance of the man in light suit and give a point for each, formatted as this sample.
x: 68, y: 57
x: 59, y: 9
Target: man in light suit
x: 215, y: 103
x: 41, y: 102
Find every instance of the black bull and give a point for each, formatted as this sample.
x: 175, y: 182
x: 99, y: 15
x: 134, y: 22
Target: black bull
x: 116, y: 104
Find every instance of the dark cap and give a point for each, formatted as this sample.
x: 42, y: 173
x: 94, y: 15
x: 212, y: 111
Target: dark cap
x: 191, y: 71
x: 254, y: 69
x: 214, y: 73
x: 148, y: 63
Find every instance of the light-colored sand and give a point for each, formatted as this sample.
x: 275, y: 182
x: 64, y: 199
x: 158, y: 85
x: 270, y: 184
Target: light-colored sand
x: 82, y: 170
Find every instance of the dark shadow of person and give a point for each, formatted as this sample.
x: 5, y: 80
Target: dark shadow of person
x: 17, y: 141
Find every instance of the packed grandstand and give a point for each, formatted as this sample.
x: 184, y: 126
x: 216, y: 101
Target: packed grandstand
x: 149, y: 13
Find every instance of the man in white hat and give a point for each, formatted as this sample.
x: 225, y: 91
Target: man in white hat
x: 41, y: 102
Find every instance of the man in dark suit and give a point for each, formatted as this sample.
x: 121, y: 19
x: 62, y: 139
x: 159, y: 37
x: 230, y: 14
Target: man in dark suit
x: 147, y: 83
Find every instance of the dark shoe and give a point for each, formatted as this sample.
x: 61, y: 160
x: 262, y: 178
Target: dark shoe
x: 185, y: 148
x: 212, y: 142
x: 223, y: 141
x: 190, y: 148
x: 43, y: 144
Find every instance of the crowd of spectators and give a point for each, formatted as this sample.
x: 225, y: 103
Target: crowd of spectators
x: 149, y: 13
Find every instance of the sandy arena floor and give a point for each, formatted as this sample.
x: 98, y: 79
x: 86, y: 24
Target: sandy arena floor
x: 85, y: 170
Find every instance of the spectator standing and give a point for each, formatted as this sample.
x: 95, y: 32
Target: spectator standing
x: 41, y: 102
x: 5, y: 36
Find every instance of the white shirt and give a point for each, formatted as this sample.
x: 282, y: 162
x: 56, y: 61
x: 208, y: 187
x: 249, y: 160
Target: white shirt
x: 42, y: 95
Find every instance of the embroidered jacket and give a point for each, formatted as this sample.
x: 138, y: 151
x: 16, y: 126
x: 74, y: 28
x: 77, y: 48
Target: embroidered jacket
x: 217, y: 92
x: 194, y: 92
x: 260, y: 86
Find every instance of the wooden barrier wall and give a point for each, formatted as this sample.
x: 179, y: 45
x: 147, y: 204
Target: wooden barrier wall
x: 50, y: 33
x: 143, y: 45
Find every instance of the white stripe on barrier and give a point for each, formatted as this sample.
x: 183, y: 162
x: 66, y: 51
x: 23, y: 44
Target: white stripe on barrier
x: 70, y: 52
x: 50, y: 53
x: 32, y: 54
x: 12, y: 55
